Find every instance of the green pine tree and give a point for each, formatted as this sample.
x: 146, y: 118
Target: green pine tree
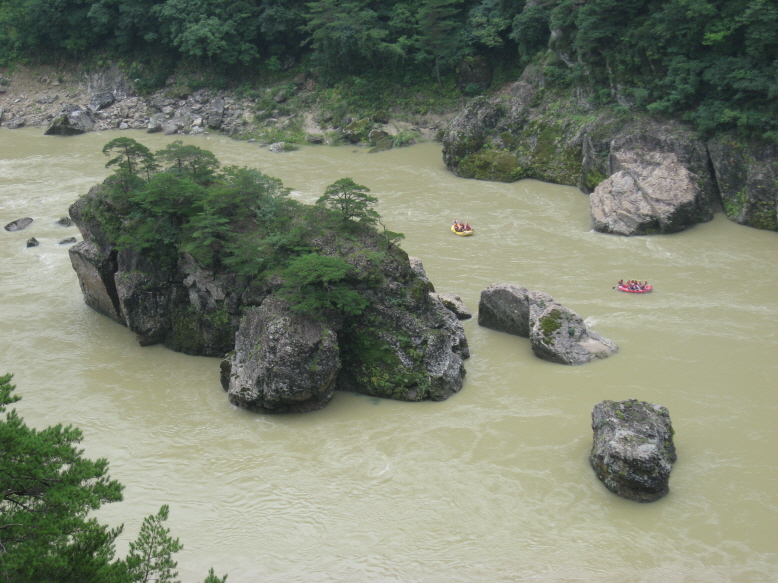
x: 47, y: 490
x: 151, y: 556
x: 350, y: 200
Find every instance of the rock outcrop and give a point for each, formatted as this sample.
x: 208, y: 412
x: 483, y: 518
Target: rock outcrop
x: 282, y: 362
x: 556, y: 333
x: 455, y: 304
x: 405, y: 344
x: 647, y: 175
x: 747, y: 175
x: 649, y: 193
x: 633, y: 450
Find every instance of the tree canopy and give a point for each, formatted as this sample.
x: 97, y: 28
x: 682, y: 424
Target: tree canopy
x: 239, y: 220
x: 350, y: 200
x: 712, y: 61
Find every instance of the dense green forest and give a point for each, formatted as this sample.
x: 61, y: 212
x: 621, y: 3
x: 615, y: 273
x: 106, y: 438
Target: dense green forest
x: 715, y: 62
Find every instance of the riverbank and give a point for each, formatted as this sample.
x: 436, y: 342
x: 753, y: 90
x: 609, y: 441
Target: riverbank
x: 293, y: 109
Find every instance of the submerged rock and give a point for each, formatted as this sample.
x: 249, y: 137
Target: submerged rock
x: 633, y: 451
x: 18, y: 224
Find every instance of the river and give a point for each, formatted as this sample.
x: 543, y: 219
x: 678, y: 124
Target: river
x: 492, y: 485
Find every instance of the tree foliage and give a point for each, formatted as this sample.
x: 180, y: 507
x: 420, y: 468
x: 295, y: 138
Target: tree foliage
x: 712, y: 61
x: 317, y: 283
x: 48, y: 490
x: 239, y: 220
x: 151, y: 555
x: 350, y: 200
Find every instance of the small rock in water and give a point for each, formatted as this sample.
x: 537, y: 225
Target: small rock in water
x: 68, y: 241
x: 32, y: 242
x: 277, y: 147
x: 18, y: 224
x: 65, y: 221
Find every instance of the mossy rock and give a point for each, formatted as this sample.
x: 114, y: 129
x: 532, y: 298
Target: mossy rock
x: 202, y: 334
x: 372, y: 366
x: 550, y: 324
x: 496, y: 165
x: 381, y: 145
x: 358, y: 131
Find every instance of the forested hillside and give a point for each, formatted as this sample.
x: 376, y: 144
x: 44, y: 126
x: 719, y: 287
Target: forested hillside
x: 715, y: 62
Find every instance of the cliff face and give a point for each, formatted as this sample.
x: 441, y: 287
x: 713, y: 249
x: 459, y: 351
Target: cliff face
x: 646, y: 175
x: 405, y: 344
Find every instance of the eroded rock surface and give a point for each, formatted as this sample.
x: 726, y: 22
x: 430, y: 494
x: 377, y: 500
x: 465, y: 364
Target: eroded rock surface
x: 747, y: 175
x: 454, y: 303
x: 649, y: 193
x: 560, y: 335
x: 633, y: 450
x: 282, y: 362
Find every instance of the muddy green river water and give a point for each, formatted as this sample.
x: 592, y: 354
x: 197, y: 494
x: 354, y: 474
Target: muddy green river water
x: 490, y: 486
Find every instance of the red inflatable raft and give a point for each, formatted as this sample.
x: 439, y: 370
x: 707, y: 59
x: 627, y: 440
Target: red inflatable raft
x: 643, y: 290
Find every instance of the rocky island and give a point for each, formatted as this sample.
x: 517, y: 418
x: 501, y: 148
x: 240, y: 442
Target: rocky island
x: 300, y: 300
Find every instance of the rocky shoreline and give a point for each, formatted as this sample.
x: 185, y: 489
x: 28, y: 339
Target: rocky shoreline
x: 67, y: 104
x: 646, y: 175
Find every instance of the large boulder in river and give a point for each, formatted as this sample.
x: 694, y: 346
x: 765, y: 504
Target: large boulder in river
x: 71, y: 121
x: 560, y: 335
x: 633, y: 451
x: 503, y: 307
x: 649, y: 193
x: 556, y: 333
x: 660, y: 181
x: 283, y: 362
x: 747, y: 175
